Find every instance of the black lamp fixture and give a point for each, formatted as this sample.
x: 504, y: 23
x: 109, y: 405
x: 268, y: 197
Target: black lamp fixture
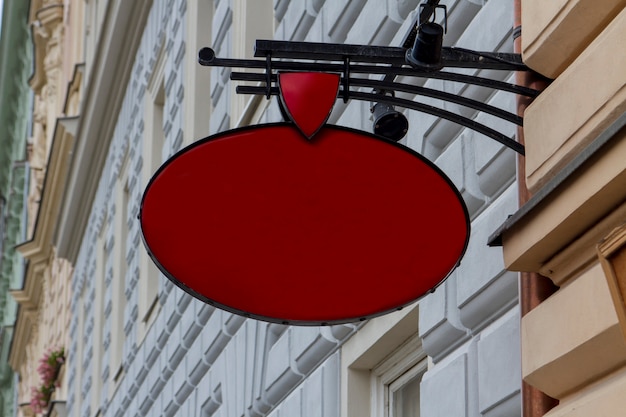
x: 389, y: 122
x: 425, y: 55
x: 426, y: 51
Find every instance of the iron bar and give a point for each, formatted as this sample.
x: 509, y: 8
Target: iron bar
x: 395, y: 56
x: 371, y: 69
x: 444, y: 114
x: 409, y: 104
x: 413, y: 89
x: 440, y: 95
x: 329, y: 51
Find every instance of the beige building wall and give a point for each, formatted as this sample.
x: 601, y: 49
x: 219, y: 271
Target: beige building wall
x: 573, y: 229
x: 44, y: 300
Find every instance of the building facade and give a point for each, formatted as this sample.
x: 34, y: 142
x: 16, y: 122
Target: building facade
x: 117, y: 91
x: 572, y: 232
x: 15, y: 67
x: 42, y: 294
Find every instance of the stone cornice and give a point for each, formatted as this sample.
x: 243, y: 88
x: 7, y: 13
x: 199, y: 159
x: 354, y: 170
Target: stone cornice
x: 39, y: 249
x: 102, y: 99
x: 73, y: 88
x: 28, y: 297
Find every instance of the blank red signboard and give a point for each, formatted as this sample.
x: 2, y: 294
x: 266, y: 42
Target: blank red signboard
x: 263, y: 222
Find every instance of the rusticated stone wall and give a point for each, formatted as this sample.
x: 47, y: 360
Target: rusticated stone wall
x: 193, y: 360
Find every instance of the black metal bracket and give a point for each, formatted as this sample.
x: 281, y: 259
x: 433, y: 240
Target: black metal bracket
x: 430, y: 11
x: 391, y: 55
x: 348, y: 60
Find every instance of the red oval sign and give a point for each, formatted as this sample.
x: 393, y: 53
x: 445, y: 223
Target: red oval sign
x: 261, y: 222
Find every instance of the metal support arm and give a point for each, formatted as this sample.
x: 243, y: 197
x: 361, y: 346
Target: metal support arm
x: 351, y: 60
x: 451, y: 56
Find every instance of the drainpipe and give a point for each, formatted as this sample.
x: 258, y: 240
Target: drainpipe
x: 534, y: 288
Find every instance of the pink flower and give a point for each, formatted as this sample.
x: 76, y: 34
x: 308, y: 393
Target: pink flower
x: 48, y: 370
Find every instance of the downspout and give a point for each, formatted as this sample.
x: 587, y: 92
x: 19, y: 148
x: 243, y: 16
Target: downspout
x: 534, y: 288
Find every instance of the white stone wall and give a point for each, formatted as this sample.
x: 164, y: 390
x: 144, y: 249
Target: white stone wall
x: 198, y: 361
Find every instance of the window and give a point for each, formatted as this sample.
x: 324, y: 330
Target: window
x: 395, y: 381
x: 384, y: 362
x: 154, y: 153
x: 120, y: 266
x: 98, y: 314
x: 197, y: 78
x: 149, y: 289
x: 404, y: 392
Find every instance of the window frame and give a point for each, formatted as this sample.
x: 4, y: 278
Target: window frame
x: 383, y: 349
x: 154, y: 142
x: 405, y: 362
x: 418, y: 370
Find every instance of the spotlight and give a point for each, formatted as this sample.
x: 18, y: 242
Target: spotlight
x: 388, y: 122
x: 426, y: 51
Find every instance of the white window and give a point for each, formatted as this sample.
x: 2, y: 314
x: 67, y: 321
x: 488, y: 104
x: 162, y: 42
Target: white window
x: 395, y: 381
x: 154, y: 153
x: 384, y: 362
x: 120, y: 266
x: 404, y: 392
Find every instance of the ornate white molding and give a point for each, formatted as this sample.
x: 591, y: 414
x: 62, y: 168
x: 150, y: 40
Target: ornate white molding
x: 39, y: 250
x: 103, y: 96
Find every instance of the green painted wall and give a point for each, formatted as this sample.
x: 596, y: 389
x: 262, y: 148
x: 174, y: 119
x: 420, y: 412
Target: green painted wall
x: 15, y: 115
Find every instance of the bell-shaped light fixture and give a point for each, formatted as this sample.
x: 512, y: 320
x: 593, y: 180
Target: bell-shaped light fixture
x: 426, y: 51
x: 388, y: 122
